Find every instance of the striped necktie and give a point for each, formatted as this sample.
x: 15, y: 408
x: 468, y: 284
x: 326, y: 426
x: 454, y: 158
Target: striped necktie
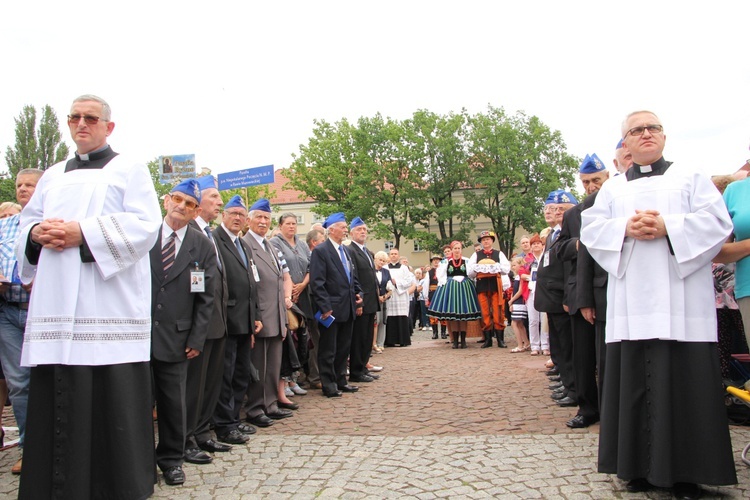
x: 168, y: 253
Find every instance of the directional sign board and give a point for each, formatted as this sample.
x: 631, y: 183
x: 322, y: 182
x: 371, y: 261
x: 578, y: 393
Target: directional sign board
x: 247, y: 177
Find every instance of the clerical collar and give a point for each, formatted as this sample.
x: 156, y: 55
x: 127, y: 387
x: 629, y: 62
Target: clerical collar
x: 394, y: 266
x: 95, y: 159
x: 94, y: 155
x: 638, y: 171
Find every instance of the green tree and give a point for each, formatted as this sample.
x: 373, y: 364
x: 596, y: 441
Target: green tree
x: 34, y: 148
x: 515, y: 162
x: 7, y: 189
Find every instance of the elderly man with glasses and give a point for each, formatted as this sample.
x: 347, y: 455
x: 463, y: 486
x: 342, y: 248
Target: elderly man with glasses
x: 655, y: 230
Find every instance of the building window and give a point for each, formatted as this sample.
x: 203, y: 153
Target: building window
x: 389, y: 246
x: 318, y: 218
x: 418, y: 247
x: 300, y: 219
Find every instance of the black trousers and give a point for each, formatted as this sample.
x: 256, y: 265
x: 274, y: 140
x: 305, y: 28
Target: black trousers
x: 584, y: 365
x: 205, y: 373
x: 561, y: 349
x: 235, y: 379
x: 333, y: 351
x: 170, y: 380
x: 361, y: 348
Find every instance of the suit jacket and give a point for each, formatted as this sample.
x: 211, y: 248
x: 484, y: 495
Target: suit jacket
x: 548, y: 296
x: 592, y: 278
x: 242, y: 297
x: 217, y: 328
x: 180, y: 318
x: 330, y: 288
x: 367, y: 279
x: 270, y: 288
x: 565, y: 248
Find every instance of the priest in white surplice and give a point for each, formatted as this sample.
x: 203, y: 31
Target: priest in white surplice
x: 655, y: 230
x: 85, y: 238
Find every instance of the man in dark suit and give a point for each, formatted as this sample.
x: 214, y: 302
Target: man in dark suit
x: 206, y: 370
x: 180, y: 313
x: 548, y: 297
x: 364, y: 323
x: 592, y: 173
x: 336, y: 292
x: 275, y: 297
x: 243, y: 320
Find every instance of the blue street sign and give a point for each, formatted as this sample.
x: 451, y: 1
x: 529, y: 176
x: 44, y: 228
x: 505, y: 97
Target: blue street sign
x: 247, y: 177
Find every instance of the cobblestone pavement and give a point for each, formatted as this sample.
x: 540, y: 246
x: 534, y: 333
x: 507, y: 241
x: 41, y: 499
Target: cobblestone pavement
x: 440, y: 423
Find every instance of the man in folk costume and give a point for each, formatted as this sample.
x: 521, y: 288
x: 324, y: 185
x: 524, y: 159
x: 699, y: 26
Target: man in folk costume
x: 489, y: 266
x: 432, y: 279
x: 85, y: 237
x: 183, y: 270
x: 655, y: 230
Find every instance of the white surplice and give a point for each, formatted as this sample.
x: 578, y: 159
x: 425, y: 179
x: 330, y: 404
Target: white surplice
x: 95, y: 313
x: 652, y: 292
x: 398, y: 304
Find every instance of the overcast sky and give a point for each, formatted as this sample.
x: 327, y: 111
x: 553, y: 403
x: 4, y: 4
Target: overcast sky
x: 240, y: 86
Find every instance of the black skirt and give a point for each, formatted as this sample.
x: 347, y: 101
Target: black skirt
x: 663, y: 414
x: 90, y: 433
x: 398, y: 331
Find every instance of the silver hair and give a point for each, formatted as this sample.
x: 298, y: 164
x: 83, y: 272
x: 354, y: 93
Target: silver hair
x: 106, y: 110
x: 30, y: 171
x: 624, y: 127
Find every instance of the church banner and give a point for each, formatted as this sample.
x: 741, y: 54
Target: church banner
x: 247, y: 177
x: 176, y: 168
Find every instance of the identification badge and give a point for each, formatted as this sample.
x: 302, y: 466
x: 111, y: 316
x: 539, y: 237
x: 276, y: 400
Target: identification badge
x: 545, y: 263
x: 197, y: 280
x: 254, y: 268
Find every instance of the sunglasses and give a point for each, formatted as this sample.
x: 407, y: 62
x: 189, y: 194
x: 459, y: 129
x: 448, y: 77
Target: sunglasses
x: 177, y: 199
x: 89, y: 119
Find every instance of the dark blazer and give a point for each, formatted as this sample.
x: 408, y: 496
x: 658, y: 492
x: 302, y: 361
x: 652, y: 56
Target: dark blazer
x: 217, y: 328
x: 330, y: 288
x: 566, y: 251
x: 367, y: 279
x: 242, y: 299
x: 270, y: 289
x: 179, y: 318
x: 592, y: 278
x: 548, y: 296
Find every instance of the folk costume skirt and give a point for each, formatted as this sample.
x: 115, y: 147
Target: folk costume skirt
x: 455, y: 301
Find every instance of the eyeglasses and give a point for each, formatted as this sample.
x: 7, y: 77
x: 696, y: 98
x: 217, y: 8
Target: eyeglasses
x: 89, y: 119
x: 234, y: 214
x: 652, y: 129
x: 179, y: 199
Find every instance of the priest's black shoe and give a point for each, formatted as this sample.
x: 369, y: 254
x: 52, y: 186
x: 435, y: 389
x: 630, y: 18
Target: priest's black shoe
x: 233, y: 437
x: 348, y: 388
x: 214, y: 446
x: 247, y: 429
x: 557, y: 396
x: 555, y: 385
x: 363, y: 378
x: 196, y: 456
x: 686, y: 491
x: 260, y: 421
x: 288, y: 406
x: 336, y: 394
x: 581, y: 421
x: 566, y: 402
x: 554, y: 378
x: 552, y: 371
x: 279, y: 414
x: 174, y: 475
x: 638, y: 485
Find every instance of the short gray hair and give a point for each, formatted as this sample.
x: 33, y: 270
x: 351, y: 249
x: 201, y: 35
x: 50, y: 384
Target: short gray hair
x: 30, y: 171
x: 624, y: 127
x: 106, y: 110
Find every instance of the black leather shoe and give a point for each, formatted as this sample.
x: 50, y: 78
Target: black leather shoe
x: 348, y: 388
x: 174, y: 475
x: 214, y: 446
x: 557, y: 396
x: 552, y: 371
x: 686, y: 491
x: 554, y: 378
x: 581, y: 421
x: 288, y: 406
x: 247, y: 429
x: 373, y: 375
x: 336, y: 394
x: 558, y: 390
x: 555, y: 385
x: 196, y: 456
x: 638, y: 485
x: 260, y: 421
x: 233, y: 437
x: 363, y: 378
x: 566, y: 402
x: 279, y: 414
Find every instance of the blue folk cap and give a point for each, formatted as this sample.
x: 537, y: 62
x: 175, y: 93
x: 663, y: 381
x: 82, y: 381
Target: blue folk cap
x: 207, y: 182
x: 263, y: 205
x: 188, y: 187
x: 356, y: 223
x: 333, y: 219
x: 591, y: 165
x: 619, y: 144
x: 560, y: 196
x: 235, y: 202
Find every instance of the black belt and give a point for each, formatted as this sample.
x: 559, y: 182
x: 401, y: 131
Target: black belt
x: 20, y: 305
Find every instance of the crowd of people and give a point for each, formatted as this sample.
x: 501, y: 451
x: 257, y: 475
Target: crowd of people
x: 240, y: 319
